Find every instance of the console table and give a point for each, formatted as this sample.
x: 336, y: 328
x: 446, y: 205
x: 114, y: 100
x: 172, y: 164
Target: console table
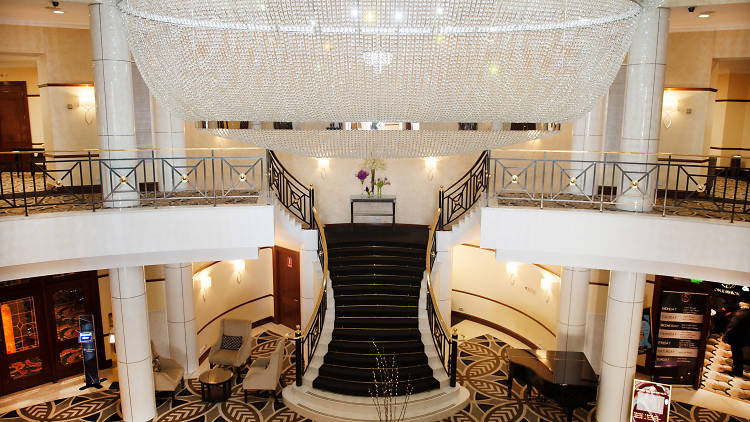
x: 365, y: 200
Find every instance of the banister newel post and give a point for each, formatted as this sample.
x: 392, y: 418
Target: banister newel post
x: 454, y: 356
x: 298, y: 356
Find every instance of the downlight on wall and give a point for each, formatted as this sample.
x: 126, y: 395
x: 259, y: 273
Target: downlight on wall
x: 430, y: 165
x: 205, y: 281
x: 323, y: 165
x: 670, y: 104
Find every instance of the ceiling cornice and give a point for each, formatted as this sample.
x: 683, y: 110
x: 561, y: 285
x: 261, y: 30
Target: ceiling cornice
x: 4, y: 20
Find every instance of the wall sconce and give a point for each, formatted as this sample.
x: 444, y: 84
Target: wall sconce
x: 430, y: 164
x: 205, y: 281
x: 323, y: 164
x: 512, y: 268
x: 239, y: 268
x: 87, y: 101
x: 545, y: 283
x: 670, y: 105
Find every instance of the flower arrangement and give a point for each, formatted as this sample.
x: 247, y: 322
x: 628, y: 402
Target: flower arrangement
x: 362, y: 176
x: 374, y: 164
x: 380, y: 183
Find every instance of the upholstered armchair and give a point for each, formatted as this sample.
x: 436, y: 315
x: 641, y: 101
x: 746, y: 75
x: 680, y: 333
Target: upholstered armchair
x: 264, y: 373
x: 168, y: 374
x: 234, y: 344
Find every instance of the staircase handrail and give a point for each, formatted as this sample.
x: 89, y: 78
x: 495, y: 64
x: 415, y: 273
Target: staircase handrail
x: 292, y: 194
x: 446, y: 344
x: 313, y: 329
x: 465, y: 192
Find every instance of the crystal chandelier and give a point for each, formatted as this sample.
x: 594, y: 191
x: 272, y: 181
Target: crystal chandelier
x: 384, y: 60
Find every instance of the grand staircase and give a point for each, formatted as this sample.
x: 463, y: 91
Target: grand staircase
x: 376, y: 308
x: 376, y: 274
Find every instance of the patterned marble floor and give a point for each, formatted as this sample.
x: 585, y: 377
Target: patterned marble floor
x: 482, y: 369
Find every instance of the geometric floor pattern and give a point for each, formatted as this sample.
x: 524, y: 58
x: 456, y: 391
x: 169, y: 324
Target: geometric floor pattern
x: 716, y: 372
x: 482, y: 368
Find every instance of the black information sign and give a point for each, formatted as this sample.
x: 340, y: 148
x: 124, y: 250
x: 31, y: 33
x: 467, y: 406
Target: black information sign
x: 88, y: 344
x: 680, y: 330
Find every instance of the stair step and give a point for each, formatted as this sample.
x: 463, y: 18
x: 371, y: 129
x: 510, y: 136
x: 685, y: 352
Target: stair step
x: 390, y: 250
x: 375, y: 288
x: 369, y: 374
x: 374, y: 277
x: 373, y: 268
x: 371, y: 359
x: 368, y: 346
x: 376, y: 322
x: 376, y: 299
x: 376, y: 334
x: 353, y: 388
x: 385, y: 310
x: 411, y: 261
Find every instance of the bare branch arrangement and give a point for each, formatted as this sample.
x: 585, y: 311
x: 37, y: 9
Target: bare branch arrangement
x: 385, y: 389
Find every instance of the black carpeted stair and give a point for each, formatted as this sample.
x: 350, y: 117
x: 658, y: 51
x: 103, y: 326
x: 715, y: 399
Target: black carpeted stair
x: 376, y: 274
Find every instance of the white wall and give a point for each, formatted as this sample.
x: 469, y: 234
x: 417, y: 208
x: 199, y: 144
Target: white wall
x: 677, y: 246
x: 416, y: 195
x: 228, y: 289
x: 477, y: 271
x: 76, y: 241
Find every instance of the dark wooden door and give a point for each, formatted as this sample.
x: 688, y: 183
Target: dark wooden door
x: 69, y: 296
x: 15, y: 129
x: 24, y: 348
x: 286, y: 287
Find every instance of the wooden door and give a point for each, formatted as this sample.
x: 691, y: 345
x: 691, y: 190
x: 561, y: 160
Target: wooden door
x: 24, y: 348
x: 15, y: 129
x: 286, y: 287
x: 69, y: 296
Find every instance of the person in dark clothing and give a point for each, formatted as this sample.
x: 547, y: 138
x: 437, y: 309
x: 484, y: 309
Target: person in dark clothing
x: 738, y: 336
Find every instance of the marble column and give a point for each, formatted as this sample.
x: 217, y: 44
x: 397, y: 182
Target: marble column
x: 622, y: 327
x: 644, y: 92
x: 115, y: 113
x: 574, y: 302
x: 183, y: 340
x: 588, y: 136
x: 134, y: 369
x: 168, y: 134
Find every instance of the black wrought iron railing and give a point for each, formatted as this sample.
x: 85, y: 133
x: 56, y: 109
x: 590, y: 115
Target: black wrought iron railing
x: 292, y: 194
x: 616, y: 181
x: 306, y: 341
x: 461, y: 196
x: 93, y: 179
x: 446, y: 344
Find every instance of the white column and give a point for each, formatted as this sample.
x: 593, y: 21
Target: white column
x: 574, y: 301
x: 183, y: 341
x: 588, y: 135
x: 168, y: 133
x: 644, y: 92
x: 115, y: 114
x: 134, y: 369
x: 620, y: 349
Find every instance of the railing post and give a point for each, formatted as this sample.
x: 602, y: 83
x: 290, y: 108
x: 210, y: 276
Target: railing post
x: 487, y: 179
x: 268, y: 178
x: 312, y: 204
x: 666, y: 185
x: 213, y: 175
x: 440, y: 205
x: 91, y: 184
x: 19, y: 169
x: 298, y: 355
x: 454, y: 356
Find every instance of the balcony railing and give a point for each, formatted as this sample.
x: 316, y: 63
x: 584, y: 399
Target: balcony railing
x: 667, y: 184
x: 95, y: 179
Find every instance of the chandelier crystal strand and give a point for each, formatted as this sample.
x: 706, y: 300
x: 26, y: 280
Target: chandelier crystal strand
x: 382, y: 143
x: 384, y: 60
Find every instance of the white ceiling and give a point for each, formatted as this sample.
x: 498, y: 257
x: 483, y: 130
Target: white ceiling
x: 726, y: 16
x: 33, y: 12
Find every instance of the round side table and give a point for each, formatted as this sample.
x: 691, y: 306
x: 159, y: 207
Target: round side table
x: 213, y: 379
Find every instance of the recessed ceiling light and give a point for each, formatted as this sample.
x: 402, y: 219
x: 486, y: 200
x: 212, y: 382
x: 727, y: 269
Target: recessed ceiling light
x: 58, y: 11
x: 705, y: 15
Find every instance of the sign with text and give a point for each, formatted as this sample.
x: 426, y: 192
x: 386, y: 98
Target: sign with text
x: 680, y: 330
x: 650, y: 402
x: 88, y: 346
